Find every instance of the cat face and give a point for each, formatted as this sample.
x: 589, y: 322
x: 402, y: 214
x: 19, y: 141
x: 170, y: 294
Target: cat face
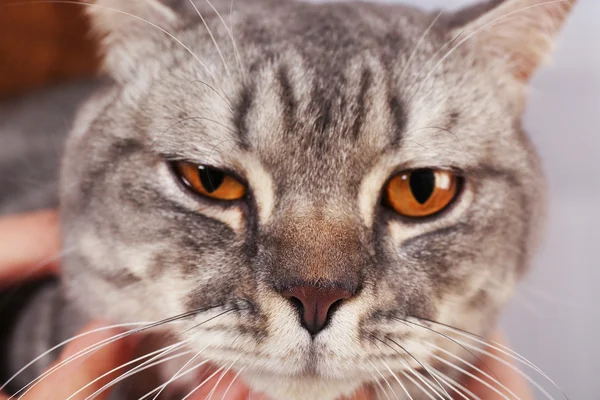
x: 315, y: 274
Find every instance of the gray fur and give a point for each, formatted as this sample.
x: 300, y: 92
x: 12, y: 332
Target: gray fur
x: 323, y: 107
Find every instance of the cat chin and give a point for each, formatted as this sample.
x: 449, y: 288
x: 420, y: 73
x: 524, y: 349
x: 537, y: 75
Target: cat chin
x: 300, y: 388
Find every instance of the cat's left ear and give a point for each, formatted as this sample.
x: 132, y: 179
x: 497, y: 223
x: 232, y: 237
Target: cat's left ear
x: 128, y: 30
x: 519, y: 33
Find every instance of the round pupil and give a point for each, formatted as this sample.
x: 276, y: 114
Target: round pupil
x: 422, y: 184
x: 211, y: 179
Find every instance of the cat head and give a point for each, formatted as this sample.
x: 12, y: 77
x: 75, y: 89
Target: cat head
x: 320, y: 187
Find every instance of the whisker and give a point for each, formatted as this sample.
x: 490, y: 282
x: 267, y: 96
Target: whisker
x: 483, y: 341
x: 184, y: 373
x: 397, y: 379
x: 212, y: 392
x: 418, y: 45
x: 470, y: 365
x: 208, y: 320
x: 455, y: 385
x: 453, y: 341
x: 384, y: 379
x: 378, y: 383
x: 187, y: 396
x: 64, y: 343
x: 176, y: 374
x: 229, y: 106
x: 116, y: 369
x: 418, y: 385
x: 251, y: 385
x: 377, y: 391
x: 514, y: 368
x: 104, y: 342
x: 79, y: 354
x: 231, y: 383
x: 429, y: 384
x: 142, y: 367
x: 212, y: 37
x: 407, y: 363
x: 135, y: 371
x: 498, y: 347
x: 421, y: 364
x: 467, y: 373
x: 236, y: 51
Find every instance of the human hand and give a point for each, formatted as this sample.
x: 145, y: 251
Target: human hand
x: 30, y: 247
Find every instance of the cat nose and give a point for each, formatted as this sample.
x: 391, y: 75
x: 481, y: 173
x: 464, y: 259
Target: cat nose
x: 316, y: 304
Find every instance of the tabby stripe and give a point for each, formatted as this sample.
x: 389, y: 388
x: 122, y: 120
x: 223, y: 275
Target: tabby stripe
x: 287, y: 98
x: 242, y: 109
x: 361, y: 110
x: 398, y: 111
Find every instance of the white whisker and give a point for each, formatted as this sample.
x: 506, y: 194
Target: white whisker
x: 427, y: 384
x: 187, y: 396
x: 116, y: 369
x: 142, y: 367
x: 500, y: 348
x: 212, y: 37
x: 422, y: 365
x: 385, y: 380
x: 485, y: 374
x: 29, y: 364
x: 514, y: 368
x: 417, y: 384
x: 230, y: 33
x: 455, y: 385
x: 397, y: 380
x: 231, y: 383
x: 418, y: 45
x: 184, y: 373
x: 212, y: 392
x: 467, y: 373
x: 71, y: 358
x: 176, y: 374
x: 378, y: 383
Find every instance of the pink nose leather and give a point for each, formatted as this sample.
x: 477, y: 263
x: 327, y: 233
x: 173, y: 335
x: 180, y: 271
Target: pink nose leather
x: 316, y: 304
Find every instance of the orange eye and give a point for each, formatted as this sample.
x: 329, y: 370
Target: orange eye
x: 210, y: 182
x: 422, y: 192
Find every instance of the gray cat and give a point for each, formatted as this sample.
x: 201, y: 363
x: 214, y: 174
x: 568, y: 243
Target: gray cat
x: 318, y: 196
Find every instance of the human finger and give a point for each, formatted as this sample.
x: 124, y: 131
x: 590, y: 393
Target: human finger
x: 81, y: 375
x: 500, y: 371
x: 29, y: 245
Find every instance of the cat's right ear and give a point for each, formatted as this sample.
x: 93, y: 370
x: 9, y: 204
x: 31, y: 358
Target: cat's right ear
x: 517, y: 35
x: 127, y: 29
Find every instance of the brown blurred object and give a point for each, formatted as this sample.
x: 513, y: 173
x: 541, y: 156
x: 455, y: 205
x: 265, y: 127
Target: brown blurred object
x: 43, y: 43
